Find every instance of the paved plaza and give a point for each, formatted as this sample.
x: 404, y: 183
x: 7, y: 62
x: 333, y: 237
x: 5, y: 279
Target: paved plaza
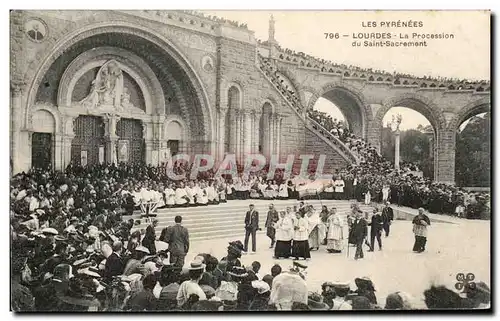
x: 451, y: 249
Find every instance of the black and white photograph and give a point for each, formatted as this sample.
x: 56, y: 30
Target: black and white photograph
x: 251, y: 160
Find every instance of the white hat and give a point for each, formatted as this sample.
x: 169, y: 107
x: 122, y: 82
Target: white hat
x: 196, y: 265
x: 88, y: 272
x: 50, y: 230
x: 141, y: 248
x: 260, y: 286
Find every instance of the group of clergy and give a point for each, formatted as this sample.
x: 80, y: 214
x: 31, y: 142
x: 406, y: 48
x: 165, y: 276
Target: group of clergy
x: 296, y: 232
x: 182, y: 195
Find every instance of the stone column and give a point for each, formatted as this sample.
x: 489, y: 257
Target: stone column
x: 222, y: 134
x: 257, y: 114
x: 397, y: 135
x: 148, y: 136
x: 67, y: 139
x: 110, y: 122
x: 279, y: 120
x: 59, y: 152
x: 271, y: 134
x: 430, y: 135
x: 237, y: 133
x: 444, y: 160
x: 247, y: 140
x: 16, y: 123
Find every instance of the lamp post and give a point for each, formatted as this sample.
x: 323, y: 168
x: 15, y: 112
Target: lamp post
x: 396, y: 121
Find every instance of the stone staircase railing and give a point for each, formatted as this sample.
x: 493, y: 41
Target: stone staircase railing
x: 333, y: 141
x: 268, y: 73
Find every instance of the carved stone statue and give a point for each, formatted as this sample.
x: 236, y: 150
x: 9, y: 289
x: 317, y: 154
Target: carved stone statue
x: 125, y: 102
x: 106, y: 88
x: 396, y: 121
x: 107, y: 92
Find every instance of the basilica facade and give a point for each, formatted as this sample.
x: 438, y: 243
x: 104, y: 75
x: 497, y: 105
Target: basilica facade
x: 90, y: 87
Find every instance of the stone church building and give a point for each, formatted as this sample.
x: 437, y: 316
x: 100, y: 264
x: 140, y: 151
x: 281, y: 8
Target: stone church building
x: 90, y: 87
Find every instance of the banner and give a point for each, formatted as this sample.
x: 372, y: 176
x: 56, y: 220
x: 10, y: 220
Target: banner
x: 123, y: 151
x: 83, y: 158
x: 101, y: 154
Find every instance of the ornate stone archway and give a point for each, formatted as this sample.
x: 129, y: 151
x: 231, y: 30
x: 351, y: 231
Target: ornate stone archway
x: 153, y: 115
x: 40, y: 66
x: 338, y: 93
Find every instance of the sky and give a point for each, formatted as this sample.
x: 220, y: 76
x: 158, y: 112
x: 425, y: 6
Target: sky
x: 466, y: 56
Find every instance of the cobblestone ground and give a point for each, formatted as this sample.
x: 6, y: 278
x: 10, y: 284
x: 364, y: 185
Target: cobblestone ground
x: 451, y: 249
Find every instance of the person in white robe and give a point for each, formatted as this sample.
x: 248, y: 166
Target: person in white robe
x: 300, y: 247
x: 368, y: 197
x: 170, y: 196
x: 329, y: 190
x: 316, y: 229
x: 221, y: 190
x: 283, y: 191
x: 254, y: 191
x: 284, y: 235
x: 211, y: 195
x: 191, y: 193
x: 181, y: 197
x: 201, y: 197
x: 275, y: 188
x: 229, y: 190
x: 385, y: 193
x: 137, y: 196
x: 335, y: 235
x: 268, y: 191
x: 339, y: 188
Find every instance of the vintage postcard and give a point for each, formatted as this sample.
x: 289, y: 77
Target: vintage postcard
x: 165, y: 160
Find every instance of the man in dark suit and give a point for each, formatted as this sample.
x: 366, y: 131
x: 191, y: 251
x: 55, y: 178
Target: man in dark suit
x: 251, y: 227
x: 387, y: 218
x: 177, y: 237
x: 114, y: 264
x: 150, y: 237
x: 272, y: 218
x: 359, y: 230
x: 376, y: 230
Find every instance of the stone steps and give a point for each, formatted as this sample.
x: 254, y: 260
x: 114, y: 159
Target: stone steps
x: 224, y: 220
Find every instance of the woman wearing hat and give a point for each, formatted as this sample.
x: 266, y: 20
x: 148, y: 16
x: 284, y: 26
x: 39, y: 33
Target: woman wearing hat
x: 191, y: 287
x: 340, y: 301
x: 315, y: 302
x: 261, y: 299
x: 284, y: 235
x: 169, y: 280
x: 366, y: 289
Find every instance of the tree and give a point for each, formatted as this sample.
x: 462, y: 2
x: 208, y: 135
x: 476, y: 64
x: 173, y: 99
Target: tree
x: 473, y: 152
x: 414, y: 147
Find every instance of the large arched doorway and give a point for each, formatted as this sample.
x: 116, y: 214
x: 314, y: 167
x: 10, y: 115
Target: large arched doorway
x: 416, y: 136
x: 473, y: 147
x: 42, y: 139
x: 179, y: 88
x: 88, y: 146
x: 349, y: 105
x: 130, y: 147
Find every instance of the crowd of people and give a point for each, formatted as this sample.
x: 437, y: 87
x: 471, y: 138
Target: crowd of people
x: 78, y: 267
x: 72, y: 251
x: 272, y: 72
x: 375, y: 177
x: 310, y: 61
x: 216, y: 19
